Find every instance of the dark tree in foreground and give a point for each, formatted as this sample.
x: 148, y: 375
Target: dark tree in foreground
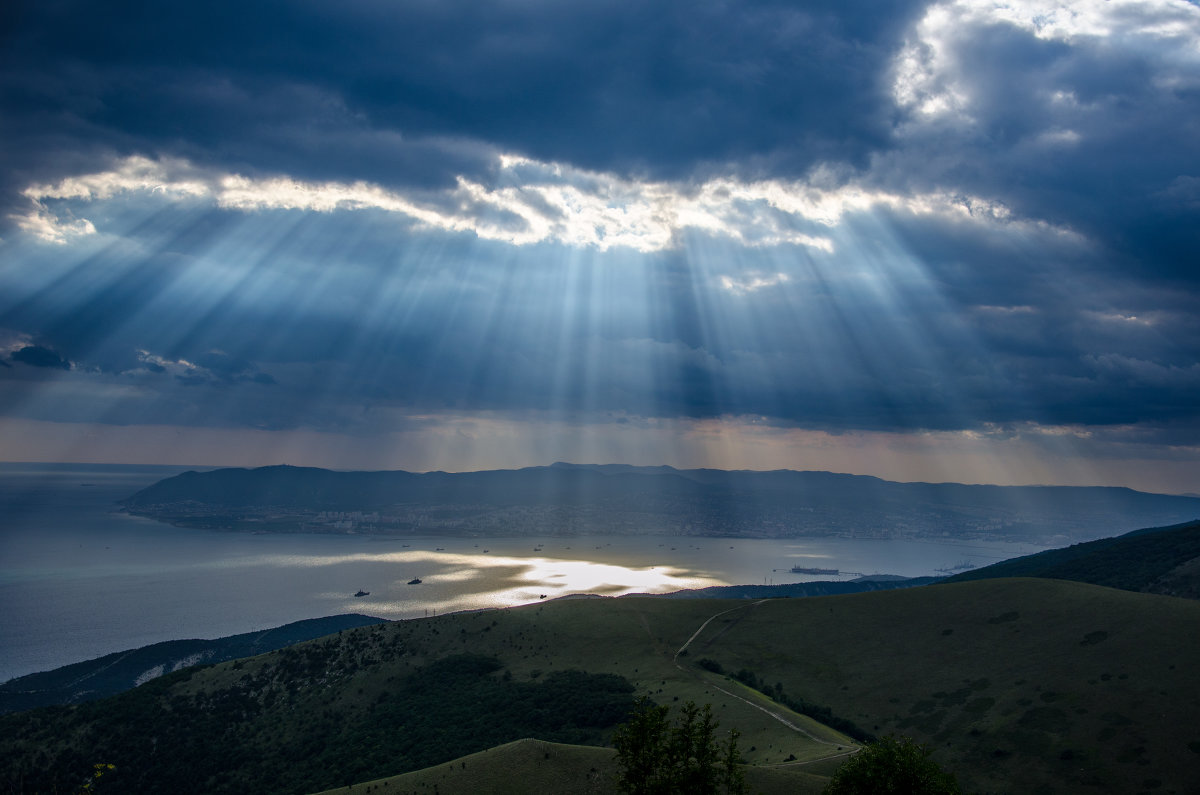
x: 892, y: 766
x: 658, y: 758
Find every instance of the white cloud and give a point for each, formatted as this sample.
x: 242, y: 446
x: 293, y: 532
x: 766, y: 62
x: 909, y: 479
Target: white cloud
x: 752, y: 283
x: 528, y: 202
x: 927, y: 71
x: 168, y: 176
x: 1069, y: 20
x: 50, y: 228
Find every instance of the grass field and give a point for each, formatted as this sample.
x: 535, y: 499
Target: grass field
x: 1023, y: 685
x: 532, y: 766
x: 1019, y: 685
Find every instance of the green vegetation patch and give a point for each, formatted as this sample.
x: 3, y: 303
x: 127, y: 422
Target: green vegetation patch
x: 979, y: 706
x: 458, y: 704
x: 929, y: 723
x: 1136, y: 561
x: 1046, y: 719
x: 892, y: 766
x: 817, y: 712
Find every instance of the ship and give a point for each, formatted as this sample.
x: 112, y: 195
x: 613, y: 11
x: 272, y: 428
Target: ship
x: 415, y: 581
x: 807, y: 570
x: 363, y: 593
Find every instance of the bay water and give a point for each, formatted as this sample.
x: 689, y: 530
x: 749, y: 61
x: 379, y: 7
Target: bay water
x: 79, y: 578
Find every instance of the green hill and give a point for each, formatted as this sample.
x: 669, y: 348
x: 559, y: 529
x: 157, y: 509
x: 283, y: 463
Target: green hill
x: 1019, y: 685
x: 119, y: 671
x: 1163, y: 560
x: 385, y: 699
x: 527, y: 765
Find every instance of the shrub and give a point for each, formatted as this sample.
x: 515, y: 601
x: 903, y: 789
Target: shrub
x: 892, y: 766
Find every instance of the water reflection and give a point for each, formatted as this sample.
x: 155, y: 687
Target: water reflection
x: 457, y: 581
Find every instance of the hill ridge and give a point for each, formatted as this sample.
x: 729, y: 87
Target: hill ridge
x: 1163, y: 560
x: 568, y: 499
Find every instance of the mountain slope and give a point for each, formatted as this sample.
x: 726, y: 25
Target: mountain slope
x: 113, y: 673
x: 525, y: 766
x: 1164, y: 560
x: 1020, y: 685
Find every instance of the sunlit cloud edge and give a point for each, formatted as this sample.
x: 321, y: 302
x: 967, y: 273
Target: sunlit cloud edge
x: 528, y: 202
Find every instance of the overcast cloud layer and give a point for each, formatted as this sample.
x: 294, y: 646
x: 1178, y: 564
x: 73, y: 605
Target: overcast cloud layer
x: 438, y: 234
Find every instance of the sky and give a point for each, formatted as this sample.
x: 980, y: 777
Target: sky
x: 949, y: 241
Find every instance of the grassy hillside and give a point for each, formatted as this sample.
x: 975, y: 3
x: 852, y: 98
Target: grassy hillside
x: 1162, y: 560
x: 1021, y: 685
x: 356, y: 706
x: 526, y: 766
x: 114, y: 673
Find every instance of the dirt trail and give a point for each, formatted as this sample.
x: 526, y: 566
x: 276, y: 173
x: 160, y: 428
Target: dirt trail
x: 773, y: 714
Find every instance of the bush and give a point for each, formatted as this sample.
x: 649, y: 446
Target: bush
x: 892, y: 766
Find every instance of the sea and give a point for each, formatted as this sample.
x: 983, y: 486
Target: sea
x: 80, y: 579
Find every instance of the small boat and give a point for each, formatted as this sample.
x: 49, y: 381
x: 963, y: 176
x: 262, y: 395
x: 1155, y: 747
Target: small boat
x: 415, y: 581
x: 363, y: 593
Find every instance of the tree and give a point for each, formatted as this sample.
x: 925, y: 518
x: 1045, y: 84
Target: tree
x: 892, y: 766
x: 661, y: 758
x: 641, y: 748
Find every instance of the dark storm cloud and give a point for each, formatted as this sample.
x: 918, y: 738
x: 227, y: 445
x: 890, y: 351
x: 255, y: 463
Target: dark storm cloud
x: 37, y: 356
x: 1095, y: 133
x: 371, y: 89
x: 224, y: 366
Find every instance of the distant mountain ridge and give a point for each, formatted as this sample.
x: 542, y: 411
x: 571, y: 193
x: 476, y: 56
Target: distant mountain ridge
x: 572, y: 499
x: 1161, y: 560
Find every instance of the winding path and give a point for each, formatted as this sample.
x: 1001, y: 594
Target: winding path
x: 775, y: 715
